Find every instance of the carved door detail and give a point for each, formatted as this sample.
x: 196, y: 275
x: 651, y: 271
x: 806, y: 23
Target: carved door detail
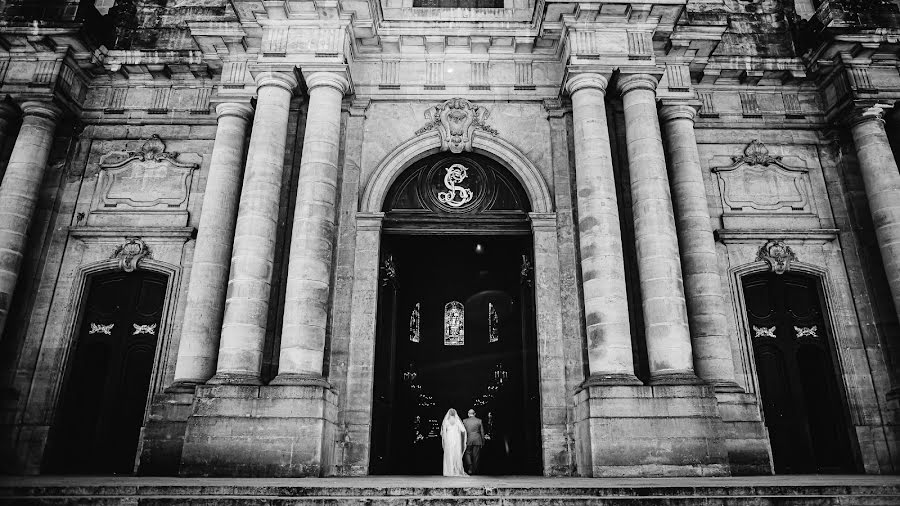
x: 798, y: 381
x: 105, y: 390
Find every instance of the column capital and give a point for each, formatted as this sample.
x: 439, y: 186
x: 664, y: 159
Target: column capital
x: 237, y: 109
x: 334, y: 80
x: 579, y: 82
x: 631, y: 82
x: 284, y: 80
x: 679, y: 110
x: 867, y: 112
x: 42, y: 109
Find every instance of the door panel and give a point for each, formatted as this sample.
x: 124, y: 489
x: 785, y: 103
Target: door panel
x: 798, y: 382
x: 105, y: 392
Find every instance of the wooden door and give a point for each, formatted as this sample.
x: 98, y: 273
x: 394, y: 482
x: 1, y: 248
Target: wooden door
x: 798, y: 381
x: 105, y: 391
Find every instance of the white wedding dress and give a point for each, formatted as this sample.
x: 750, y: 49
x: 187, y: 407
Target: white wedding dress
x: 453, y: 436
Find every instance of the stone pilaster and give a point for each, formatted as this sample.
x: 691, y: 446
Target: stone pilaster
x: 19, y: 192
x: 882, y: 183
x: 203, y: 313
x: 312, y: 238
x: 253, y: 253
x: 659, y: 265
x: 602, y: 263
x: 699, y: 261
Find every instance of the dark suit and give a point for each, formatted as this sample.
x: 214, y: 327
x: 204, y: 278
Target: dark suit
x: 474, y: 442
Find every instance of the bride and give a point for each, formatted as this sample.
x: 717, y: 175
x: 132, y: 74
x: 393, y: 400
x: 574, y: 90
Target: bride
x: 453, y: 440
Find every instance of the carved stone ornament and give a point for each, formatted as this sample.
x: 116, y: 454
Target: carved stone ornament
x: 759, y: 183
x: 129, y: 253
x: 756, y: 153
x: 456, y: 120
x: 778, y: 255
x: 148, y: 178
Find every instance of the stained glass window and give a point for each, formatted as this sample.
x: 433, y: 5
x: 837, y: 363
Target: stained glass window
x: 454, y: 324
x: 493, y: 324
x: 414, y: 324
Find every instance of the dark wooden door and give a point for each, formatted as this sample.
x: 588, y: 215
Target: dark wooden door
x: 798, y: 381
x: 105, y: 391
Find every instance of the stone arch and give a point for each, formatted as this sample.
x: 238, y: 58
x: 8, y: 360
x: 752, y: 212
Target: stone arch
x: 426, y: 144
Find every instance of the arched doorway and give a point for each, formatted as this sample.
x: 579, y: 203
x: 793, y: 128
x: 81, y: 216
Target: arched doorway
x: 799, y: 383
x: 105, y: 390
x: 456, y: 317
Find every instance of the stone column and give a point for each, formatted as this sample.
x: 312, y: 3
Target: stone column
x: 19, y: 192
x: 312, y: 237
x: 253, y: 254
x: 659, y: 265
x: 212, y: 253
x: 882, y: 182
x: 702, y: 284
x: 602, y: 262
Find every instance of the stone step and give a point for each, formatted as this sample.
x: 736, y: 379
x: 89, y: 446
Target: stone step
x: 434, y: 491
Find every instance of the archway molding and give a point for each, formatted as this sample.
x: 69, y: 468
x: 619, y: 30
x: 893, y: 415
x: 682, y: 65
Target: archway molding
x: 420, y: 146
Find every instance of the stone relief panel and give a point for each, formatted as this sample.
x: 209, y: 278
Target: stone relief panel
x: 150, y: 186
x: 758, y: 187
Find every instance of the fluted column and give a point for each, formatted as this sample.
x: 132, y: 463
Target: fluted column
x: 205, y: 307
x: 312, y: 237
x: 253, y: 253
x: 699, y: 261
x: 19, y: 192
x: 659, y: 265
x: 600, y: 238
x: 882, y: 182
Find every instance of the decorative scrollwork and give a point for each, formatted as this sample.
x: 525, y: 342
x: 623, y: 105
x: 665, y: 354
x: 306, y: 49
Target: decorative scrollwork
x: 144, y: 329
x: 763, y: 332
x: 806, y: 331
x: 778, y: 255
x: 99, y: 328
x: 456, y: 121
x: 756, y: 153
x: 129, y: 253
x: 456, y: 173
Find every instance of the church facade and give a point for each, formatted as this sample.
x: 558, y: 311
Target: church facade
x: 282, y: 238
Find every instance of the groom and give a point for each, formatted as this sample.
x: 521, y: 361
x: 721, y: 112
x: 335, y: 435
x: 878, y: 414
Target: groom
x: 474, y: 441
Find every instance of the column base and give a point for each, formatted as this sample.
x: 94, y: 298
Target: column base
x: 260, y: 431
x: 663, y: 430
x: 162, y: 436
x: 300, y: 379
x: 746, y: 436
x: 610, y: 379
x: 676, y: 378
x: 229, y: 378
